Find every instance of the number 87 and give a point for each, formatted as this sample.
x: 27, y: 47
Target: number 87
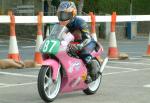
x: 47, y: 45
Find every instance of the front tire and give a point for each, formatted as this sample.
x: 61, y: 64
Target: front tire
x: 94, y: 85
x: 48, y: 90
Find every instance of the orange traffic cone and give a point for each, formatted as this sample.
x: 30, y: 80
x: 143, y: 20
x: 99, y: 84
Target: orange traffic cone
x: 148, y: 48
x: 38, y: 56
x: 93, y: 25
x: 113, y: 52
x: 13, y: 47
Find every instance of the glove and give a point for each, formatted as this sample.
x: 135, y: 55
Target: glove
x: 79, y: 46
x: 75, y: 47
x: 72, y: 47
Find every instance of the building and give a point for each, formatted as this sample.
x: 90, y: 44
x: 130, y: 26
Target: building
x: 20, y: 7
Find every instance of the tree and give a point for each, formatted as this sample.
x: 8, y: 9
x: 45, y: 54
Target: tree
x: 80, y: 6
x: 107, y: 6
x: 55, y: 3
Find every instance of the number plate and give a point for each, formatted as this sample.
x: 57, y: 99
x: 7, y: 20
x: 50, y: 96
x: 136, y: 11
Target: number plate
x: 50, y: 46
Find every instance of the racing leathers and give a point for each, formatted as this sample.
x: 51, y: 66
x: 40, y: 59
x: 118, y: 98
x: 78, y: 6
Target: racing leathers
x: 79, y: 28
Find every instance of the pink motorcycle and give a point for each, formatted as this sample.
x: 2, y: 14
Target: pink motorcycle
x: 62, y: 70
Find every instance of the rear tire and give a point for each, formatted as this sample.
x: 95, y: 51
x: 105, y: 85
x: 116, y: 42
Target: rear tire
x: 94, y: 85
x: 48, y: 90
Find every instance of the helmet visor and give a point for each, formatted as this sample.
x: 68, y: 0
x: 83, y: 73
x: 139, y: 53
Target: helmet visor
x: 64, y: 16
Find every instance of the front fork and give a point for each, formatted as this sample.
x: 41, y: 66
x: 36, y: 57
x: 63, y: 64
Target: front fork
x: 103, y: 64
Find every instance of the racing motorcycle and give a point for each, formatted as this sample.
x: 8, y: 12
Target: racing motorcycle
x: 62, y: 70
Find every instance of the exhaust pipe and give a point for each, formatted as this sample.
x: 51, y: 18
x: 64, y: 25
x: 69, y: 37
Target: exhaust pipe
x: 103, y: 64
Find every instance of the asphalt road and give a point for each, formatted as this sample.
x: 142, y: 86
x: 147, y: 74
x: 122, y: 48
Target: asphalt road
x: 124, y: 81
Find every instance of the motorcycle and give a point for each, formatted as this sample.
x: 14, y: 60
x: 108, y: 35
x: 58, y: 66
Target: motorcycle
x: 62, y: 70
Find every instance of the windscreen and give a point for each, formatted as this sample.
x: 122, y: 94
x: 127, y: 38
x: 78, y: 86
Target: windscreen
x: 57, y: 31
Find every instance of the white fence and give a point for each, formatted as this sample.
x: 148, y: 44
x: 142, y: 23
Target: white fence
x: 54, y: 19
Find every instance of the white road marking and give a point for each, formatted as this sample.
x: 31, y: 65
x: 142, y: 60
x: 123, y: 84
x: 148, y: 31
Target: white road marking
x: 120, y: 68
x: 24, y: 47
x: 15, y: 85
x: 129, y: 63
x: 3, y: 45
x: 28, y: 47
x: 3, y: 84
x: 17, y: 74
x: 132, y: 52
x: 112, y: 73
x: 24, y: 84
x: 27, y: 39
x: 118, y: 72
x: 147, y: 86
x: 141, y: 58
x: 137, y: 56
x: 125, y: 42
x: 3, y: 51
x: 4, y: 41
x: 35, y: 76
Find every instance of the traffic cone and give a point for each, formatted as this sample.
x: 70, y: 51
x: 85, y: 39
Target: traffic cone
x: 48, y: 30
x: 148, y: 48
x: 113, y: 52
x: 38, y: 56
x: 93, y: 25
x: 13, y: 47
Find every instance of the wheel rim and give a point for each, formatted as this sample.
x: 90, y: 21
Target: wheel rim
x: 51, y: 88
x: 95, y: 84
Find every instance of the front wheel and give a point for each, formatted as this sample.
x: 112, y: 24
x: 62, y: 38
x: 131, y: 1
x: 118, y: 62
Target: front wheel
x: 48, y: 90
x: 94, y: 85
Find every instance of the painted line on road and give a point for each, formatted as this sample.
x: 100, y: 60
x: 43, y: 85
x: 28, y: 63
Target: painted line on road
x: 3, y: 51
x: 35, y: 76
x: 118, y: 62
x: 112, y: 73
x: 147, y: 86
x: 4, y: 41
x: 16, y: 85
x: 18, y: 74
x: 27, y: 39
x: 131, y: 52
x: 120, y: 68
x: 3, y: 45
x: 137, y: 58
x: 127, y: 42
x: 3, y: 84
x: 26, y: 47
x: 24, y: 84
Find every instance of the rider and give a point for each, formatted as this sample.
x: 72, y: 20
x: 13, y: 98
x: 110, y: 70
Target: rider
x: 78, y: 27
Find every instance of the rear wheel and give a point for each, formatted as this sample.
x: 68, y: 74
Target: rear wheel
x: 94, y: 85
x: 47, y: 88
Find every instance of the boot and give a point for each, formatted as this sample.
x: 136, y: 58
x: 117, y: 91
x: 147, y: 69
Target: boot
x: 95, y: 76
x: 93, y: 70
x: 88, y: 78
